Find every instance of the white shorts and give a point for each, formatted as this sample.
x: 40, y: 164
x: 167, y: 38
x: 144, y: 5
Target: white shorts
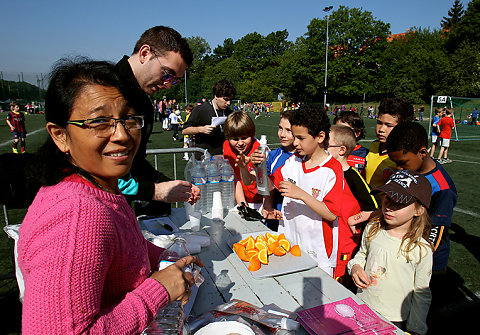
x: 445, y: 142
x: 434, y: 139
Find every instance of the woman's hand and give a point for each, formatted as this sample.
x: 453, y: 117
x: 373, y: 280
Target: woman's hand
x: 175, y: 280
x: 360, y: 277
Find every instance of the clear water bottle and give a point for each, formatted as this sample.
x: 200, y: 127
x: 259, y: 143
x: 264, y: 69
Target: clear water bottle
x: 187, y: 172
x: 227, y: 178
x: 261, y: 169
x: 199, y: 179
x: 213, y: 182
x: 169, y: 319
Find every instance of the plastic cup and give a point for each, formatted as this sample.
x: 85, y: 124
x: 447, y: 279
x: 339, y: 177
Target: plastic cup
x: 217, y: 213
x: 217, y: 200
x: 188, y: 209
x: 217, y: 206
x: 195, y: 218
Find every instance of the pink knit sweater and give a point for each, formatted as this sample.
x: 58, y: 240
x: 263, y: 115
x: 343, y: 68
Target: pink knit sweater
x: 86, y: 264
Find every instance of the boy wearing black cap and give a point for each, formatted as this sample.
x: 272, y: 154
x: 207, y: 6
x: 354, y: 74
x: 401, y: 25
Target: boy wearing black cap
x: 407, y: 147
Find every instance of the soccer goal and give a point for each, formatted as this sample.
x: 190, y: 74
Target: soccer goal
x: 462, y: 109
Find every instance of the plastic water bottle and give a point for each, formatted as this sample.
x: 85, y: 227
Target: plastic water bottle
x: 199, y: 179
x: 169, y: 319
x: 261, y: 170
x: 187, y: 172
x: 213, y: 182
x: 227, y: 178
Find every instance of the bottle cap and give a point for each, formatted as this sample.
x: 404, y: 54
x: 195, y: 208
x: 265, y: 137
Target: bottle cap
x: 263, y: 140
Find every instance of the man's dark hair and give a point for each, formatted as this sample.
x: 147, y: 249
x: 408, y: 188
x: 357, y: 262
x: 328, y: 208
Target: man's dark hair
x: 224, y: 88
x: 313, y: 118
x: 354, y: 120
x: 401, y: 108
x: 164, y: 39
x: 408, y: 137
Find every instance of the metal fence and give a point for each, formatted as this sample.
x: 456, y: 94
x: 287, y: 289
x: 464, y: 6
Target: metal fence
x: 174, y: 151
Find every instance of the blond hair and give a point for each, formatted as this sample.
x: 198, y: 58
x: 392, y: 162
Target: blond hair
x: 419, y: 229
x: 238, y: 124
x: 344, y: 136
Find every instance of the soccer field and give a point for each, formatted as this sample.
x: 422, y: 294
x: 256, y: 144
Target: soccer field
x: 463, y: 284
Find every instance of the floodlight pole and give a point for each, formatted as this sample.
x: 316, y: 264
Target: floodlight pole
x: 326, y: 10
x: 186, y: 96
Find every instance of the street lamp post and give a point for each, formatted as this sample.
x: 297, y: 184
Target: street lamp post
x: 326, y: 10
x: 186, y: 96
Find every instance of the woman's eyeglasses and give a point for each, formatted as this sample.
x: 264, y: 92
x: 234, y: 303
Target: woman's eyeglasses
x: 104, y: 127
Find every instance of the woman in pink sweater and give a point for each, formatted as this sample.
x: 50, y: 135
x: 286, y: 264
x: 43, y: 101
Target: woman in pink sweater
x: 86, y: 265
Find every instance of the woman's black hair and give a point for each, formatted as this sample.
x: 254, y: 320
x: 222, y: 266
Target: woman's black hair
x: 67, y: 80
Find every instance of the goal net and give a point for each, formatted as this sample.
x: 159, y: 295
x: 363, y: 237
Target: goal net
x: 462, y: 110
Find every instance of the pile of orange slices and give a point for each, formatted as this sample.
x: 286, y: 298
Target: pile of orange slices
x: 257, y: 250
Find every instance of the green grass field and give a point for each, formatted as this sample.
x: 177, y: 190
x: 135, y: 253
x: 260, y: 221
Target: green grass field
x: 462, y: 284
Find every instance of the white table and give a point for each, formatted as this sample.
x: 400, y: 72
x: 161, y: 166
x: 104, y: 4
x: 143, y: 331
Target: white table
x: 227, y: 278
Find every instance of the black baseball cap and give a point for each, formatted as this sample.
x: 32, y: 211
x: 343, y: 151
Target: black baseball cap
x: 407, y: 187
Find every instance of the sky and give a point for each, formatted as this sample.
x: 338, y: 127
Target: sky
x: 34, y: 34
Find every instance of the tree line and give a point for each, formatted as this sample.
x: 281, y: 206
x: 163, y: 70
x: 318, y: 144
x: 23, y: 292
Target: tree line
x: 364, y: 59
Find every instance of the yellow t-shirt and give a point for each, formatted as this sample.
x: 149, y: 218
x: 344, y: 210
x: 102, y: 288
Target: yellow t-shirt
x: 186, y: 119
x: 379, y: 166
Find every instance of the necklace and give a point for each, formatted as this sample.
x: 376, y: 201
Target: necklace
x: 88, y: 177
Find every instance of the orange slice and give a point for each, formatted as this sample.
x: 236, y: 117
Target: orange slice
x: 254, y: 264
x: 281, y: 237
x: 260, y: 245
x: 251, y: 253
x: 240, y: 251
x: 268, y: 236
x: 279, y: 251
x: 262, y: 256
x: 235, y: 246
x: 261, y: 238
x: 285, y: 244
x: 250, y: 243
x: 271, y: 240
x: 244, y: 242
x: 295, y: 251
x: 272, y: 246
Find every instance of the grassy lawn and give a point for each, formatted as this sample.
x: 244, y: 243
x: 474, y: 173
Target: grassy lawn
x: 462, y: 279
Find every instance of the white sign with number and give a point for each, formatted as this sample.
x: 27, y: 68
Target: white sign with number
x: 442, y: 99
